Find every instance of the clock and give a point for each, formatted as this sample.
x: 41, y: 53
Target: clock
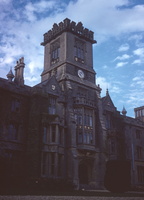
x: 80, y: 73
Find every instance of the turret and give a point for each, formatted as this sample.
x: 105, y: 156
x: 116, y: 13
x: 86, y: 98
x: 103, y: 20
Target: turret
x: 10, y: 76
x: 124, y: 112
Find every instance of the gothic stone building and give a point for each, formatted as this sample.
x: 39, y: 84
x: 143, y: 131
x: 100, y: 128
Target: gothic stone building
x: 62, y: 128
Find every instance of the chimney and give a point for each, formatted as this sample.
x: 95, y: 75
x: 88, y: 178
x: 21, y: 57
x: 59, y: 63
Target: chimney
x: 19, y: 70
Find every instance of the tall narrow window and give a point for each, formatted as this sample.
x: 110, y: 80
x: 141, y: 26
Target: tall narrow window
x: 85, y: 119
x: 15, y: 105
x: 53, y: 133
x: 85, y: 138
x: 13, y: 131
x: 139, y: 152
x: 1, y: 129
x: 44, y: 134
x: 60, y: 135
x: 138, y: 133
x: 59, y: 165
x: 52, y: 105
x: 78, y: 116
x: 108, y: 122
x: 91, y: 121
x: 55, y: 55
x: 140, y: 174
x: 44, y: 160
x: 52, y: 164
x: 112, y: 147
x: 79, y: 51
x: 91, y: 138
x: 80, y: 135
x: 55, y: 52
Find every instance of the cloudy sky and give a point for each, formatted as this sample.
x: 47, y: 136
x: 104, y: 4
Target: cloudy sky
x: 118, y: 27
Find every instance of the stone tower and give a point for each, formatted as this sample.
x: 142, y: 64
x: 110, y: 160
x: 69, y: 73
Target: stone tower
x: 69, y: 57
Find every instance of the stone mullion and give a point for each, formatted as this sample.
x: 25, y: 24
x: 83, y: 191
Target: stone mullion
x: 56, y: 165
x: 82, y: 124
x: 93, y: 127
x: 57, y: 134
x: 49, y: 164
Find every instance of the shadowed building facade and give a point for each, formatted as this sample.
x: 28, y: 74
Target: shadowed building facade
x: 62, y: 128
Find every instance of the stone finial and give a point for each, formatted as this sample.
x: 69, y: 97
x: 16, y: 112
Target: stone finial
x: 10, y: 75
x: 124, y: 112
x: 107, y: 92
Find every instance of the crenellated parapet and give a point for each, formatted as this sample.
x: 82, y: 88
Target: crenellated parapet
x: 68, y: 26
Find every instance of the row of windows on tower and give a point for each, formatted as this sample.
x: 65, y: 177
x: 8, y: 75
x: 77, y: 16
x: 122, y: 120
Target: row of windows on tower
x: 78, y: 55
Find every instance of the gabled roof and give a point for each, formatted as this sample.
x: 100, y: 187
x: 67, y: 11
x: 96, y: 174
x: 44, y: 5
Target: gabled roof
x: 50, y: 86
x: 108, y: 103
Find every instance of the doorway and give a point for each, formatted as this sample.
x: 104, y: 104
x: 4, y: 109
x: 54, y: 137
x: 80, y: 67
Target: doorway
x: 83, y: 174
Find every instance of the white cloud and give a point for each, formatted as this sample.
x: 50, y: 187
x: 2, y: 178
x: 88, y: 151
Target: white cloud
x: 138, y: 39
x: 115, y: 89
x: 137, y: 61
x: 124, y: 47
x: 121, y: 64
x: 135, y: 95
x: 123, y: 57
x: 138, y: 80
x: 105, y: 67
x: 104, y: 84
x: 32, y: 9
x: 111, y: 85
x: 135, y: 98
x: 140, y: 53
x: 109, y: 19
x: 31, y: 79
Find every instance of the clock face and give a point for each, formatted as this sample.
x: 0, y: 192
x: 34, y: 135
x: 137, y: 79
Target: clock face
x: 80, y: 73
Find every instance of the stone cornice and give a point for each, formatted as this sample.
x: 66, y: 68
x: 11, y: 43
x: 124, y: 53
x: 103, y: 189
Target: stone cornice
x: 68, y: 26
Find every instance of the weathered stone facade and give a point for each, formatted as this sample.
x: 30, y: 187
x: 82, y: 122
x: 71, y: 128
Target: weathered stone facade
x: 62, y: 128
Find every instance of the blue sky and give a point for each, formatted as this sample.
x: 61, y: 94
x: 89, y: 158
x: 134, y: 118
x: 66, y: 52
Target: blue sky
x: 118, y: 27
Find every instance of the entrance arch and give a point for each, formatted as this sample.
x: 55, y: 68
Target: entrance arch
x: 83, y: 174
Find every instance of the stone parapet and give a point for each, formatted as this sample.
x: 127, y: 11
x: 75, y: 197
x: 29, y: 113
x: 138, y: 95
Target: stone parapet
x: 68, y: 26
